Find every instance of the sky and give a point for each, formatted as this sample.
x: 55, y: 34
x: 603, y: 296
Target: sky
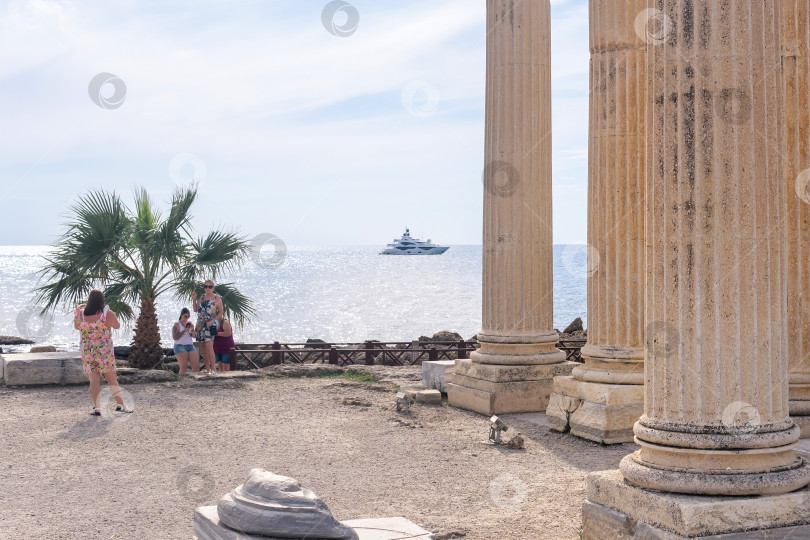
x: 318, y: 125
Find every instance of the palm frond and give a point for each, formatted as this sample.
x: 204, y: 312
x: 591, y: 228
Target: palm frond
x: 169, y: 237
x: 134, y: 256
x: 180, y: 212
x: 238, y: 307
x: 144, y: 223
x: 122, y: 309
x: 64, y: 287
x: 219, y: 252
x: 92, y: 240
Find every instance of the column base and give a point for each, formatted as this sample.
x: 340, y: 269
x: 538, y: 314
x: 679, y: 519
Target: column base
x: 784, y: 479
x: 804, y: 425
x: 604, y: 413
x: 616, y: 509
x: 499, y: 389
x: 800, y: 414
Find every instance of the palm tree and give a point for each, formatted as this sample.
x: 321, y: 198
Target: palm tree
x: 134, y: 255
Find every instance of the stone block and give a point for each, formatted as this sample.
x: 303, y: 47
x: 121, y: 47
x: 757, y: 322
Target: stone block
x: 42, y: 349
x: 800, y: 392
x: 433, y: 397
x: 599, y: 412
x: 607, y: 425
x: 618, y: 510
x: 804, y: 425
x: 559, y: 411
x: 436, y: 374
x: 602, y: 393
x: 498, y: 389
x: 44, y: 368
x: 208, y: 527
x: 393, y: 528
x: 2, y: 366
x: 506, y: 373
x: 804, y: 449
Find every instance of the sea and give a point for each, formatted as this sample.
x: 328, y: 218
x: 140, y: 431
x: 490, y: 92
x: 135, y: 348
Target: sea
x: 338, y: 294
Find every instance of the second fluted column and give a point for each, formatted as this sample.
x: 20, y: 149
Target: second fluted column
x: 518, y: 358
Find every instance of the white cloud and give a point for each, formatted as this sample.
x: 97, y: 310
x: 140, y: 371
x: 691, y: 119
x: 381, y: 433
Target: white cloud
x: 267, y: 98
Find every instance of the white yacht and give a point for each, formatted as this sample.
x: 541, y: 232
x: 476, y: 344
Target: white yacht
x: 408, y: 245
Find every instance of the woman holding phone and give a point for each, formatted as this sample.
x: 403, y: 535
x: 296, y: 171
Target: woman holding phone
x: 183, y: 335
x: 209, y: 312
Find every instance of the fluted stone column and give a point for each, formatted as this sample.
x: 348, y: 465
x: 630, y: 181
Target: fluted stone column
x: 795, y: 81
x: 518, y: 358
x: 715, y: 417
x: 603, y: 399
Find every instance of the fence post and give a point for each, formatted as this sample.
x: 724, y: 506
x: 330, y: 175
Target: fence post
x: 433, y: 354
x: 369, y: 355
x: 232, y: 354
x: 277, y: 358
x: 333, y: 355
x: 462, y: 350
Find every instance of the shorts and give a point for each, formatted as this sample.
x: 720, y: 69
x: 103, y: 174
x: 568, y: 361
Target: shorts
x: 225, y: 358
x: 180, y: 349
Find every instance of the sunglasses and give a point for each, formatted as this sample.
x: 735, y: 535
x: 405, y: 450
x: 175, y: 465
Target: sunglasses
x: 208, y: 286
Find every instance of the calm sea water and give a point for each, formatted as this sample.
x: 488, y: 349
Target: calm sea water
x: 333, y: 293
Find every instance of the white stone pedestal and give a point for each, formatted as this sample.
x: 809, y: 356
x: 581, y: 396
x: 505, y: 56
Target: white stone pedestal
x: 436, y: 375
x: 208, y: 527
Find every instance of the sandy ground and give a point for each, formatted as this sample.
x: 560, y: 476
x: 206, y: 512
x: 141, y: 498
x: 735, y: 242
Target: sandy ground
x: 65, y: 474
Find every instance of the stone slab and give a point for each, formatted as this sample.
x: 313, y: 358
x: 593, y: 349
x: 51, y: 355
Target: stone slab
x: 208, y: 527
x: 604, y: 394
x: 603, y: 523
x: 2, y: 366
x: 799, y: 392
x: 687, y: 516
x: 505, y: 374
x: 431, y: 397
x: 43, y: 369
x: 607, y: 425
x: 436, y: 374
x: 599, y: 412
x: 393, y: 528
x: 504, y: 398
x: 804, y: 449
x: 804, y: 425
x: 496, y: 389
x: 799, y: 408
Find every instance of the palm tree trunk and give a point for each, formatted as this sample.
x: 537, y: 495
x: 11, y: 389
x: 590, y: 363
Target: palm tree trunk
x: 146, y: 352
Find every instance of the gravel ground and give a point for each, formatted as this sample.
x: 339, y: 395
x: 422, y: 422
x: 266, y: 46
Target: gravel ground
x: 68, y: 475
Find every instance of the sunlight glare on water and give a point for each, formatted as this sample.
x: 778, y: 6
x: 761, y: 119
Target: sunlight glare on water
x: 336, y: 294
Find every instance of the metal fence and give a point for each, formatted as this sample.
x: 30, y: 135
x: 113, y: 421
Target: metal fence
x: 369, y: 353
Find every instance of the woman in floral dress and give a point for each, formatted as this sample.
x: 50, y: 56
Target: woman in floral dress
x: 209, y: 313
x: 95, y: 322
